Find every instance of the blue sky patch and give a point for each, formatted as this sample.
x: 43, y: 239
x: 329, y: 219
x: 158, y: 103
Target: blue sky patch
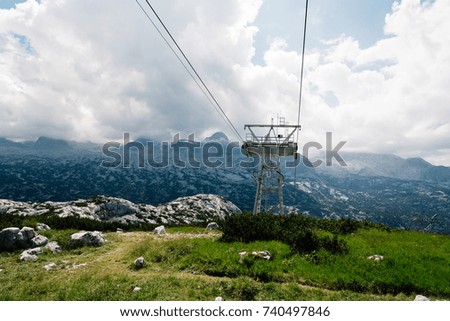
x: 9, y: 4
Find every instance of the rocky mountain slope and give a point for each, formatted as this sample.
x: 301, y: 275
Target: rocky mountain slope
x: 200, y: 208
x: 409, y: 193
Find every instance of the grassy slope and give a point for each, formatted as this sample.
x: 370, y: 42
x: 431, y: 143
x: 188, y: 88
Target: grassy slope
x: 187, y: 266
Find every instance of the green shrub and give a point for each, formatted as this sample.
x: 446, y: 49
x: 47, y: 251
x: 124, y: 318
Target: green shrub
x: 298, y: 231
x: 70, y: 222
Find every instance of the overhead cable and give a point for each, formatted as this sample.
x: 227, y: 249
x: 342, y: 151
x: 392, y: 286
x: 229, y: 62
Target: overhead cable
x: 197, y: 78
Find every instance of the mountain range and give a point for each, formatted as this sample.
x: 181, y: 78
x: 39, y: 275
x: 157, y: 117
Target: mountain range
x: 403, y: 193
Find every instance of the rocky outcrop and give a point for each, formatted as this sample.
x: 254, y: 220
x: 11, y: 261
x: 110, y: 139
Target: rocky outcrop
x: 83, y: 238
x: 195, y: 209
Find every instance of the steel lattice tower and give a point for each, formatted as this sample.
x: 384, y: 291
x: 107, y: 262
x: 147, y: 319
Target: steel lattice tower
x: 269, y: 149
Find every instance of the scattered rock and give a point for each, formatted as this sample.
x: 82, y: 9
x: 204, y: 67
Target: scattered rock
x: 28, y: 234
x: 160, y: 230
x: 421, y: 298
x: 242, y: 255
x: 35, y: 251
x: 39, y: 240
x: 53, y: 247
x: 28, y: 257
x: 139, y: 263
x: 136, y: 289
x: 219, y: 298
x: 212, y: 226
x: 76, y: 266
x: 376, y: 257
x: 12, y: 239
x: 119, y: 230
x: 9, y: 238
x: 86, y: 239
x: 31, y: 254
x: 42, y: 227
x: 262, y: 255
x: 50, y: 266
x: 256, y: 254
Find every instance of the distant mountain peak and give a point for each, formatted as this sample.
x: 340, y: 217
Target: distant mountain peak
x: 219, y: 137
x: 46, y: 143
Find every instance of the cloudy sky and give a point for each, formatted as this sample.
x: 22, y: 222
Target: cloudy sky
x: 377, y: 73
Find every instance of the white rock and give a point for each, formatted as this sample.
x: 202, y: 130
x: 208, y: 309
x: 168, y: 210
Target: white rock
x: 212, y: 226
x: 160, y: 230
x: 376, y: 257
x: 421, y: 298
x: 136, y: 289
x: 9, y: 238
x: 27, y: 233
x: 50, y: 266
x: 28, y: 257
x: 76, y: 266
x: 242, y: 255
x: 87, y: 238
x: 139, y: 263
x: 219, y: 298
x: 262, y: 255
x: 42, y: 227
x: 39, y: 240
x: 53, y: 247
x: 34, y: 251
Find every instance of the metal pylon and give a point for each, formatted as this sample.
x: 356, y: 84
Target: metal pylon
x: 269, y: 149
x: 269, y: 180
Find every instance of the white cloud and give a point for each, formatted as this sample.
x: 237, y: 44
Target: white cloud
x: 91, y: 70
x: 393, y: 96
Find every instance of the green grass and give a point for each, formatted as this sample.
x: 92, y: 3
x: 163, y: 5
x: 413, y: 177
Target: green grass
x: 191, y: 264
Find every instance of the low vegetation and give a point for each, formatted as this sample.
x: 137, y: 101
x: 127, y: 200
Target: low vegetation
x: 69, y: 222
x: 310, y: 260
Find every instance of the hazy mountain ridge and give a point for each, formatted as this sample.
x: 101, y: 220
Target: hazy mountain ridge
x: 408, y: 193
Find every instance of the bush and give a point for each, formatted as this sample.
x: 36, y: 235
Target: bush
x: 295, y: 230
x: 70, y: 222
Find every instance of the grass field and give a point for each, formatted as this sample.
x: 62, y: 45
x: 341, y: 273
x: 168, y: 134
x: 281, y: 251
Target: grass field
x: 191, y: 264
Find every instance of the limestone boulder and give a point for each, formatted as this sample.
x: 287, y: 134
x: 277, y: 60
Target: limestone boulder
x: 160, y: 230
x: 139, y: 263
x: 42, y: 227
x: 53, y: 247
x: 83, y: 238
x: 39, y: 240
x: 31, y: 254
x: 212, y: 226
x: 9, y: 238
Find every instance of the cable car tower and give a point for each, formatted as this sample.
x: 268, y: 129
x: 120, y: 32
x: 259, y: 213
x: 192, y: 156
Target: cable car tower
x: 269, y: 148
